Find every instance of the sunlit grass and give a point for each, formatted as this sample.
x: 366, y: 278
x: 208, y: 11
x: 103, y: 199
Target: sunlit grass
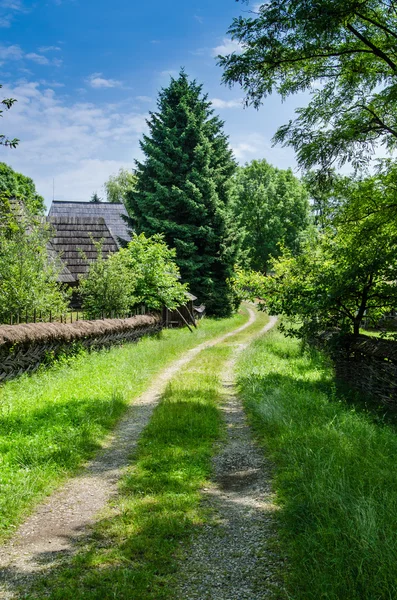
x: 52, y: 421
x: 336, y: 479
x: 134, y: 550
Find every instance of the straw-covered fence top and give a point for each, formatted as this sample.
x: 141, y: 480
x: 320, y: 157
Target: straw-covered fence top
x: 29, y: 333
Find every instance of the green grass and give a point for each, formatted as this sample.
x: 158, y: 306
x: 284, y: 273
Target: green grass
x: 52, y: 421
x: 336, y: 476
x: 133, y: 551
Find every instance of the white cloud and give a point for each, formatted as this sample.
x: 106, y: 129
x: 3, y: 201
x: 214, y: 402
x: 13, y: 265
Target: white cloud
x: 218, y: 103
x: 227, y: 47
x: 79, y: 144
x: 8, y: 10
x: 250, y: 146
x: 15, y: 52
x: 97, y: 81
x: 37, y: 58
x: 5, y: 21
x: 199, y: 19
x: 144, y: 98
x: 11, y: 52
x: 16, y: 5
x: 45, y: 49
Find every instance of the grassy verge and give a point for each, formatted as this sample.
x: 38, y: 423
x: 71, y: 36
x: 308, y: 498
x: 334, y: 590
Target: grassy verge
x: 133, y: 551
x: 336, y: 479
x: 51, y: 422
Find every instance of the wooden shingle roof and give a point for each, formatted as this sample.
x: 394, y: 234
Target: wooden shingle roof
x: 112, y: 213
x: 74, y: 242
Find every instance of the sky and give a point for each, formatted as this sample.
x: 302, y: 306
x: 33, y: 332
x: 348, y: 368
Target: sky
x: 86, y: 74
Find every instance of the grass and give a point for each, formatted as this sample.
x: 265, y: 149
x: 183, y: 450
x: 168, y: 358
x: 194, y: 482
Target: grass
x: 53, y: 421
x: 336, y: 477
x: 133, y: 551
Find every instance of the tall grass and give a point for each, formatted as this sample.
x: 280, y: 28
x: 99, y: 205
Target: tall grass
x: 52, y: 421
x: 336, y: 476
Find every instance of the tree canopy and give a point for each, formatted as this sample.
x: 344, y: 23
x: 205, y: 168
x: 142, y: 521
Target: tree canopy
x: 271, y: 207
x: 16, y: 185
x: 347, y: 271
x: 28, y: 272
x: 144, y: 272
x: 117, y: 186
x: 183, y: 191
x: 342, y: 51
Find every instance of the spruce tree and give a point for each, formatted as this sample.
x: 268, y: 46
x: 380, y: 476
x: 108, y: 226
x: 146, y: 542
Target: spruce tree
x: 183, y: 191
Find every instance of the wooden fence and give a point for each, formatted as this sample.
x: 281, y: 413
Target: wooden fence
x: 71, y: 316
x: 367, y: 364
x: 24, y: 347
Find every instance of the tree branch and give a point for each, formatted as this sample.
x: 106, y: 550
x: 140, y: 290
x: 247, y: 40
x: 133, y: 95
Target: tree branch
x: 377, y: 51
x: 380, y: 25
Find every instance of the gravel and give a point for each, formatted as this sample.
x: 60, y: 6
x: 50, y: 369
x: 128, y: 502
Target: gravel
x: 232, y: 557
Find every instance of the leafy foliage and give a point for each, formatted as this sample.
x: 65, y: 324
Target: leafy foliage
x: 142, y: 273
x: 248, y: 285
x: 344, y: 53
x: 108, y: 287
x: 16, y: 185
x: 183, y: 193
x: 28, y: 273
x: 323, y: 201
x: 117, y: 186
x: 271, y: 207
x: 7, y: 103
x: 348, y: 271
x: 156, y: 273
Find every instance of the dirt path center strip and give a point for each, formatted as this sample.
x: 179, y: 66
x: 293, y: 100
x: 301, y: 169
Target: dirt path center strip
x: 230, y: 558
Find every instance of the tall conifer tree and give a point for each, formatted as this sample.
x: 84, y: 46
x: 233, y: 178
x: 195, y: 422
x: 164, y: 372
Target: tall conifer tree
x: 183, y: 191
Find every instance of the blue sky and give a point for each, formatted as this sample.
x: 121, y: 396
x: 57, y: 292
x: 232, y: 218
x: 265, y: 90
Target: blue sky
x: 86, y: 73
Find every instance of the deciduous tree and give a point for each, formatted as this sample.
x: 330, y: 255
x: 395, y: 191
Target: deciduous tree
x: 347, y: 271
x: 117, y: 186
x: 144, y: 272
x: 341, y: 51
x: 28, y: 272
x: 16, y: 185
x: 271, y: 208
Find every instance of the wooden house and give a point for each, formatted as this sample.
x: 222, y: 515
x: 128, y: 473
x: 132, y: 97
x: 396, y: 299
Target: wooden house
x: 113, y: 214
x: 75, y: 240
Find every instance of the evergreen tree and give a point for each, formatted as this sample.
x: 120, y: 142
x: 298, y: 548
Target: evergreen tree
x: 95, y: 198
x: 183, y: 191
